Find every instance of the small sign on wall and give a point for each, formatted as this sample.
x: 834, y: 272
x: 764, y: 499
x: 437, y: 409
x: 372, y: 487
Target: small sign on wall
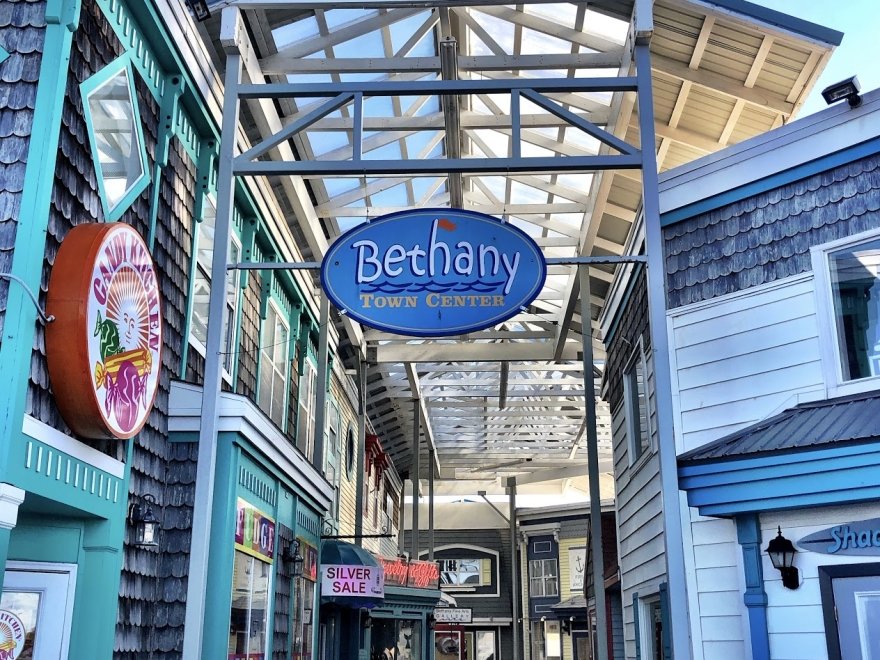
x: 854, y: 538
x: 453, y: 615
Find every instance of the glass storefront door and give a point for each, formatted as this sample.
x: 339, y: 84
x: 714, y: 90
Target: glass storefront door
x: 396, y: 639
x: 35, y: 610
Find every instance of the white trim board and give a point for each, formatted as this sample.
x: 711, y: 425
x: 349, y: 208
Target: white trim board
x: 34, y: 428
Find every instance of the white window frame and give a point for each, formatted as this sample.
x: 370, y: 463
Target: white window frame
x: 544, y: 578
x: 230, y: 336
x: 829, y: 348
x: 637, y: 356
x: 307, y: 404
x: 285, y: 375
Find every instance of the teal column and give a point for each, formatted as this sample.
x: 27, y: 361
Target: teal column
x: 62, y: 18
x: 4, y: 552
x: 93, y: 629
x: 748, y: 534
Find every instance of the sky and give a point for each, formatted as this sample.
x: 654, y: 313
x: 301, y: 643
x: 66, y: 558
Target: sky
x: 858, y: 53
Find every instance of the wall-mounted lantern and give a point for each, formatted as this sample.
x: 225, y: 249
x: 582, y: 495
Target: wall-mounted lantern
x: 293, y: 558
x: 145, y: 522
x: 782, y: 553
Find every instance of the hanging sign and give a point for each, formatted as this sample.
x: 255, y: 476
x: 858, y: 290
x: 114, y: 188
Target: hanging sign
x: 854, y: 538
x: 104, y: 347
x: 433, y: 272
x: 343, y: 580
x: 577, y: 565
x: 254, y: 532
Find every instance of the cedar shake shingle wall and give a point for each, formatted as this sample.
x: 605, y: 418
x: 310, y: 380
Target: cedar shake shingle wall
x: 768, y: 237
x: 22, y: 31
x: 152, y: 584
x: 632, y: 325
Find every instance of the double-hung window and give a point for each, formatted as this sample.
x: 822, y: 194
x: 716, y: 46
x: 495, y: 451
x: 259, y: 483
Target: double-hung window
x: 847, y: 275
x: 635, y: 393
x: 543, y: 578
x: 274, y: 365
x: 202, y: 289
x: 308, y: 402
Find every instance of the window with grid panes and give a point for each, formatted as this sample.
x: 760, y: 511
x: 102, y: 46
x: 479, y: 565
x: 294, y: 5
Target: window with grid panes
x: 543, y: 578
x: 274, y: 365
x: 308, y: 401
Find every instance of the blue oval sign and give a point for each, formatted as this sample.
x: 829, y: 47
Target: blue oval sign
x: 433, y: 272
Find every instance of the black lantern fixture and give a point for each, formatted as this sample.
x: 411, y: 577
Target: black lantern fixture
x: 782, y: 553
x: 146, y: 524
x: 291, y: 556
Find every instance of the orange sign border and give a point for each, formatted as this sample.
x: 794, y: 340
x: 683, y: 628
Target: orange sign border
x: 67, y: 337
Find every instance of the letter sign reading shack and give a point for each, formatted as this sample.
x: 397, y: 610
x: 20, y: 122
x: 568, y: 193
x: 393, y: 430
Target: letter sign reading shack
x: 433, y: 272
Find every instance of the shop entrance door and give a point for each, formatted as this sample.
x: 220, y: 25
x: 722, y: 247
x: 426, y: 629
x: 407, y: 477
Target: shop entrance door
x: 36, y: 610
x: 857, y: 600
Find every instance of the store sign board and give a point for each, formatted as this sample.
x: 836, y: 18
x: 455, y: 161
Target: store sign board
x: 577, y: 566
x: 414, y: 574
x: 12, y: 635
x: 855, y: 538
x: 254, y: 532
x: 453, y: 615
x: 310, y: 560
x: 104, y: 348
x: 344, y: 580
x: 433, y: 272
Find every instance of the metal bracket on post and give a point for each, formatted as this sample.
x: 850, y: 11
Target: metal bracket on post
x: 44, y: 318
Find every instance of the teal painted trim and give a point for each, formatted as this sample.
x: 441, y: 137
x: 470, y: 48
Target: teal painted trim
x: 87, y: 87
x: 218, y: 604
x: 4, y: 55
x: 631, y: 284
x: 838, y: 158
x: 167, y: 122
x: 127, y: 31
x: 748, y: 534
x: 57, y: 476
x: 784, y: 480
x: 62, y: 17
x: 186, y: 132
x: 4, y: 552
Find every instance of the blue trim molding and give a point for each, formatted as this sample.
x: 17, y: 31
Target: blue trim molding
x: 783, y: 480
x: 802, y: 171
x: 748, y: 534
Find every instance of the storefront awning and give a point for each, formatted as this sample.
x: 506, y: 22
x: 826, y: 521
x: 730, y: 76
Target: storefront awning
x: 340, y: 553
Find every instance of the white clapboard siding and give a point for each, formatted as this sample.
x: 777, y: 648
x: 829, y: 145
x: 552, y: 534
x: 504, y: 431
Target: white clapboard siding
x: 740, y: 358
x: 639, y: 517
x: 794, y: 617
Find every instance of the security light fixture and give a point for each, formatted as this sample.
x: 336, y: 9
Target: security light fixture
x: 782, y: 554
x: 200, y: 9
x: 292, y: 556
x: 845, y: 89
x: 146, y: 524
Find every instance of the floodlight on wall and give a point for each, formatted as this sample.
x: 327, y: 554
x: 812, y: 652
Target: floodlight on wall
x: 782, y: 553
x: 146, y: 524
x: 845, y: 89
x: 200, y: 9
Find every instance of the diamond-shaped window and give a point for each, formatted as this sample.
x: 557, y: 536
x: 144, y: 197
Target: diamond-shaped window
x: 111, y: 112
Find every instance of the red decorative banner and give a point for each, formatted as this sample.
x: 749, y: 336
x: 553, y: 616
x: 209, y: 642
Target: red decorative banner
x: 415, y: 574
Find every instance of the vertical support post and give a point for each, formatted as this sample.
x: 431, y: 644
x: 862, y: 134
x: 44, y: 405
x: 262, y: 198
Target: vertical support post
x: 323, y: 365
x: 361, y: 448
x: 748, y: 534
x: 197, y: 586
x: 514, y: 571
x: 672, y: 534
x: 414, y: 477
x: 431, y: 504
x: 593, y: 467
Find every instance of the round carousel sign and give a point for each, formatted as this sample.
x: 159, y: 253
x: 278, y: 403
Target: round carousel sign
x: 12, y: 635
x: 104, y: 347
